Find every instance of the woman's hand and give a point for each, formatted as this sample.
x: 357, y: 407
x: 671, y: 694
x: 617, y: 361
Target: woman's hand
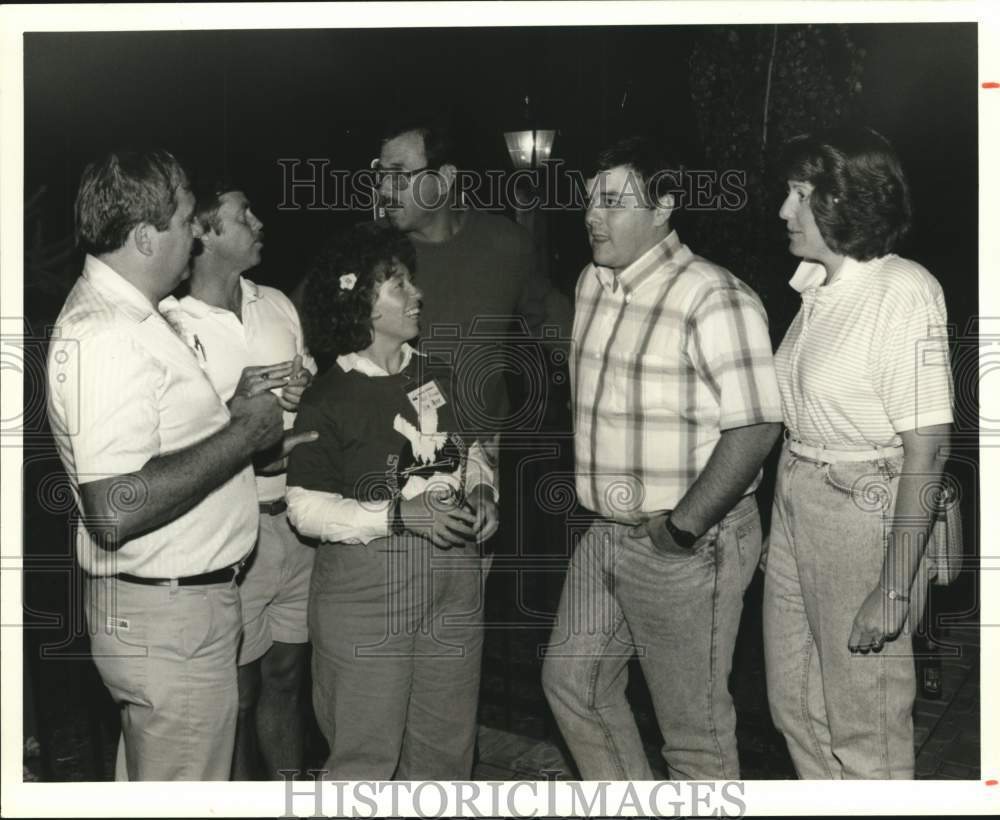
x: 481, y: 500
x: 879, y: 620
x: 436, y: 516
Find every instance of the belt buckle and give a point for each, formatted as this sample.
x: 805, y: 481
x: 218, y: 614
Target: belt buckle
x: 237, y: 568
x: 272, y: 507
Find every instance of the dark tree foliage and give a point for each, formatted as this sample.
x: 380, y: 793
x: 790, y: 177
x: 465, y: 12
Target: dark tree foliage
x: 752, y: 88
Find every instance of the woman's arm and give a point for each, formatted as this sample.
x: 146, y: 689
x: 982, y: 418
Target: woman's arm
x: 332, y: 517
x: 481, y: 490
x: 881, y: 617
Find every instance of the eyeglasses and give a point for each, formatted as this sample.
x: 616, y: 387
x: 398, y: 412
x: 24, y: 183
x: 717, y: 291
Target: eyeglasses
x: 399, y: 179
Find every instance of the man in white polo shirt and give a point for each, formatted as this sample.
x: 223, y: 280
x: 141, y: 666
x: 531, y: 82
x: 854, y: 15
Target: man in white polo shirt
x: 160, y: 468
x: 232, y: 323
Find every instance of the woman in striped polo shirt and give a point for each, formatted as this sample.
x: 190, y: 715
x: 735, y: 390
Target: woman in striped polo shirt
x: 866, y: 397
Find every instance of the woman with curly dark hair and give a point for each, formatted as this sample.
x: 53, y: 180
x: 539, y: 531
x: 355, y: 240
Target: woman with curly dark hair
x: 398, y: 500
x: 866, y: 397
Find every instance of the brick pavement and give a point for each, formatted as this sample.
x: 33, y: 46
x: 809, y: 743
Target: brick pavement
x: 947, y: 731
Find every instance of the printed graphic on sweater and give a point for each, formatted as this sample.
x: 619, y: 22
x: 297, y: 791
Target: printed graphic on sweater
x: 429, y: 455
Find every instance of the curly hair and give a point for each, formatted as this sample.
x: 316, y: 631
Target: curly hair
x: 860, y: 198
x: 338, y: 320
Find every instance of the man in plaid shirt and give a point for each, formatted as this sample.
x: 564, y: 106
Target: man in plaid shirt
x: 676, y: 406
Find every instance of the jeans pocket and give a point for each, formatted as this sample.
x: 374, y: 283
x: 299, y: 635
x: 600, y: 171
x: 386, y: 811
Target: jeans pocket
x: 749, y: 548
x: 867, y: 484
x: 891, y: 467
x: 704, y: 546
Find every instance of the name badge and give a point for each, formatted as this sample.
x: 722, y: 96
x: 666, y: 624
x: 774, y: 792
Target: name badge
x: 426, y: 397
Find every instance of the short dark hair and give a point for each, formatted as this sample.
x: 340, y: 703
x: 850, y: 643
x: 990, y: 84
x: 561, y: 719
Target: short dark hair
x: 860, y: 198
x: 122, y: 190
x: 655, y: 162
x: 337, y: 320
x: 208, y: 199
x: 440, y: 145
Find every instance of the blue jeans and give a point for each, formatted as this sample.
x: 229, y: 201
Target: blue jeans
x: 397, y: 633
x: 843, y: 715
x: 681, y: 616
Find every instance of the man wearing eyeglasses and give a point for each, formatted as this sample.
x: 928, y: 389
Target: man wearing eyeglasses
x: 472, y: 265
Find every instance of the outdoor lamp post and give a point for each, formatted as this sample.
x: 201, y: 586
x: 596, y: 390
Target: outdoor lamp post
x: 528, y: 149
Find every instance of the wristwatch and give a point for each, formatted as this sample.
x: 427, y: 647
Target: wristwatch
x: 682, y: 538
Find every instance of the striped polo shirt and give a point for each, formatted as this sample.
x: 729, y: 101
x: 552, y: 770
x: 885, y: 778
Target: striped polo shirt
x: 666, y: 356
x: 866, y: 358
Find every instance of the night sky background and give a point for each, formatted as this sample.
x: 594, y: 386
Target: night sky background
x: 235, y: 102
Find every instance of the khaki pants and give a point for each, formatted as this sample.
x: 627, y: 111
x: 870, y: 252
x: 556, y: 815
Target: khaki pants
x: 397, y: 633
x: 168, y: 657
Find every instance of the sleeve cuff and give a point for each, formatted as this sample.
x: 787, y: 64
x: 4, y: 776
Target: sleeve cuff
x: 371, y: 521
x: 764, y: 416
x: 919, y: 420
x: 333, y: 518
x: 479, y: 472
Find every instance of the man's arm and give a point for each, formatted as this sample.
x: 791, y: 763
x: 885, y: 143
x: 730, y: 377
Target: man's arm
x: 731, y: 468
x: 124, y: 506
x: 730, y: 349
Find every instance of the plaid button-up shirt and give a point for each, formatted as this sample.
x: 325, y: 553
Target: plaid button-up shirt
x: 666, y: 356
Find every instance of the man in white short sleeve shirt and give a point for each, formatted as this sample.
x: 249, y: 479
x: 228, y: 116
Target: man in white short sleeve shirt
x: 160, y: 469
x: 232, y: 323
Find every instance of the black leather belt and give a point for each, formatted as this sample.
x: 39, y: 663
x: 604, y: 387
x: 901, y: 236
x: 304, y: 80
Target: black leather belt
x: 273, y: 507
x: 218, y: 576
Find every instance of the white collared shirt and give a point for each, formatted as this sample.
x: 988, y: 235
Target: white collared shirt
x: 270, y: 332
x: 123, y: 389
x: 866, y: 358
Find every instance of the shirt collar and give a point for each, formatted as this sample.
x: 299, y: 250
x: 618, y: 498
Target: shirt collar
x: 251, y: 292
x: 364, y: 365
x: 198, y: 309
x: 811, y: 275
x: 667, y: 252
x: 108, y: 281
